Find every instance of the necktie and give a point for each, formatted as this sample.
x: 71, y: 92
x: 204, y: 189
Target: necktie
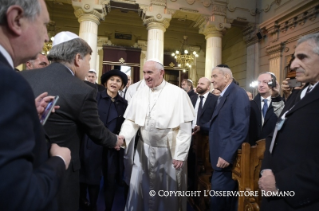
x: 200, y: 108
x: 309, y: 89
x: 265, y: 107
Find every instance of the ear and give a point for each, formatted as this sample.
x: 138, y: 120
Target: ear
x: 15, y: 19
x: 77, y: 60
x: 162, y: 72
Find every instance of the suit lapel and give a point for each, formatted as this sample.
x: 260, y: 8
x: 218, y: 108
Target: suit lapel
x: 222, y: 101
x: 4, y: 60
x: 310, y: 97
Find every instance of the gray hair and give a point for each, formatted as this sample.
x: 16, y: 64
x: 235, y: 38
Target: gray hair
x: 31, y: 8
x: 314, y: 38
x: 224, y: 71
x: 66, y: 51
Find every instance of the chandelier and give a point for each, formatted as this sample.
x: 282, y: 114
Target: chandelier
x: 183, y: 56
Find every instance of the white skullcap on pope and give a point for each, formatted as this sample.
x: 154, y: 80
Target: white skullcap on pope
x: 64, y: 36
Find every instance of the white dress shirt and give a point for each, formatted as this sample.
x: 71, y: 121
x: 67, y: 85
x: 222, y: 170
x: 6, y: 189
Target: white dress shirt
x: 197, y: 105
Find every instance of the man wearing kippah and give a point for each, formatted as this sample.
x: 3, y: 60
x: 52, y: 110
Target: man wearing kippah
x: 78, y: 114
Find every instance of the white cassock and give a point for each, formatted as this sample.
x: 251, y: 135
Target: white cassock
x: 163, y: 115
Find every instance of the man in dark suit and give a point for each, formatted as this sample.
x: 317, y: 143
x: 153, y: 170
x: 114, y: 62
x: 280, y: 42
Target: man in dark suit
x: 228, y: 129
x: 264, y: 109
x: 91, y: 81
x: 29, y: 177
x: 291, y: 160
x: 204, y: 104
x: 78, y: 112
x: 187, y: 85
x: 203, y: 114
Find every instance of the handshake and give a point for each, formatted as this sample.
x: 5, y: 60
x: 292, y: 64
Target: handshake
x: 120, y: 142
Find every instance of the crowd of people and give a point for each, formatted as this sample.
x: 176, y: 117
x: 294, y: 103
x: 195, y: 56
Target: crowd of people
x: 139, y: 136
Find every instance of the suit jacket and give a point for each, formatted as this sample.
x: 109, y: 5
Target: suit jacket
x: 257, y: 130
x: 97, y: 87
x: 77, y: 115
x: 228, y: 127
x: 29, y: 177
x: 295, y: 159
x: 191, y: 93
x: 208, y: 108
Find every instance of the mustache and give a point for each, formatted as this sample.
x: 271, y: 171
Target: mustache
x: 298, y: 70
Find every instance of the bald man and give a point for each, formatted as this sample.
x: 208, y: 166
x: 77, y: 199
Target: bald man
x: 204, y: 103
x: 40, y: 62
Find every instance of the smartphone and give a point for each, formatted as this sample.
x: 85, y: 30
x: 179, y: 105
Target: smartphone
x: 294, y: 83
x: 48, y: 110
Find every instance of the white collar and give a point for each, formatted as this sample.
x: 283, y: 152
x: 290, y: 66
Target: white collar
x: 204, y: 95
x: 223, y: 92
x: 159, y: 86
x: 6, y: 55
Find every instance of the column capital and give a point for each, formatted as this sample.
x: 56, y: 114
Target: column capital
x: 213, y: 27
x: 275, y: 51
x: 86, y: 10
x: 156, y: 16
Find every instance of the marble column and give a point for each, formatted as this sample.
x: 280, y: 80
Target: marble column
x: 157, y: 21
x: 143, y: 45
x: 89, y: 16
x: 252, y: 50
x: 213, y: 50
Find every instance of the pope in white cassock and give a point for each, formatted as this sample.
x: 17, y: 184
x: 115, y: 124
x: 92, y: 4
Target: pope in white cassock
x: 162, y: 113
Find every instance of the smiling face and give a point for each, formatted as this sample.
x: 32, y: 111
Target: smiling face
x: 153, y: 76
x: 306, y: 62
x: 203, y: 86
x: 113, y: 84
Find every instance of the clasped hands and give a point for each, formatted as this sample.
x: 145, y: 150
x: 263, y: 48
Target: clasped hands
x: 120, y: 142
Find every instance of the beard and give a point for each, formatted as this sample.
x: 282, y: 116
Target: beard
x: 200, y: 90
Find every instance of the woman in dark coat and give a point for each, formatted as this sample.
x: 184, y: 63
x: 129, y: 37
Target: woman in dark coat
x: 97, y: 159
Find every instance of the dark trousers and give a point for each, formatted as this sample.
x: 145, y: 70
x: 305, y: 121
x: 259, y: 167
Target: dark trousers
x: 222, y: 181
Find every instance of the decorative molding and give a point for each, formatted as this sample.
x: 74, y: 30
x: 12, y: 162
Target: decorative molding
x: 206, y: 3
x: 219, y: 9
x: 233, y: 9
x: 295, y: 38
x: 152, y: 23
x: 275, y: 51
x: 102, y: 41
x: 282, y: 26
x: 190, y: 2
x: 249, y: 34
x: 159, y: 2
x: 94, y: 16
x: 188, y: 10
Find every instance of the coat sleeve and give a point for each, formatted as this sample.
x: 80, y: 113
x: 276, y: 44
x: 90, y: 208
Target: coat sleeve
x: 24, y: 185
x: 183, y: 141
x: 240, y: 111
x: 92, y: 124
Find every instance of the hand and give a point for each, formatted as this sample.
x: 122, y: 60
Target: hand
x: 196, y: 129
x: 285, y: 88
x: 267, y: 181
x: 275, y: 90
x: 120, y: 142
x: 177, y: 164
x: 222, y: 163
x: 42, y: 101
x: 64, y: 152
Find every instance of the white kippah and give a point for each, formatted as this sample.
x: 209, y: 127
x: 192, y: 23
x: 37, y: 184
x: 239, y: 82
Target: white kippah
x: 64, y: 36
x: 92, y: 70
x: 155, y: 60
x: 190, y: 80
